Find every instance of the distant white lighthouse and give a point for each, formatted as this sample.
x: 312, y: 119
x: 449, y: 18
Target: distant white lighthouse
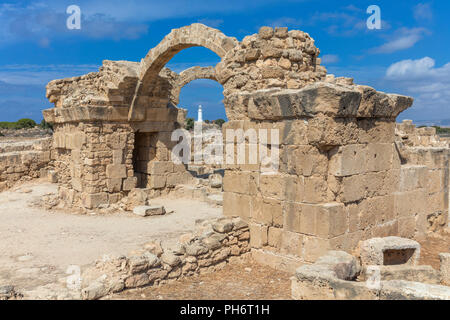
x: 200, y: 114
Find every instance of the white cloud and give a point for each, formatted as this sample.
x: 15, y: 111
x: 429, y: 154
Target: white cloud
x: 423, y: 11
x: 330, y: 58
x: 403, y: 39
x: 406, y: 69
x: 428, y: 84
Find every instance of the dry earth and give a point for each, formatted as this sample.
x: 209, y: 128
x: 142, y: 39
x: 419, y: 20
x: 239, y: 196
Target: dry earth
x: 37, y: 246
x: 235, y: 282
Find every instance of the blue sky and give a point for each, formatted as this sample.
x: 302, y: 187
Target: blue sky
x: 408, y: 55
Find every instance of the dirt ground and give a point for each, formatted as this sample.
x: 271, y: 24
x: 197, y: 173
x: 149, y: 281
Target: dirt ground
x: 37, y: 246
x: 248, y: 281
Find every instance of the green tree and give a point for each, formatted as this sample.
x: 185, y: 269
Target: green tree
x: 219, y: 122
x: 25, y: 124
x: 189, y: 123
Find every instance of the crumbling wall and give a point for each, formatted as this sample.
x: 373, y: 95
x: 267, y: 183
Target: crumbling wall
x: 272, y: 58
x: 24, y: 160
x: 422, y: 191
x: 214, y: 244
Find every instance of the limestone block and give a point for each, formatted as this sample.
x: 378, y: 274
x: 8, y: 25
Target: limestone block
x: 410, y: 203
x: 267, y: 211
x: 389, y: 251
x: 91, y: 201
x: 157, y: 181
x: 177, y: 178
x: 258, y: 235
x: 291, y: 216
x: 129, y: 183
x: 348, y: 160
x: 445, y: 268
x: 118, y: 156
x: 52, y: 177
x: 407, y: 227
x: 235, y: 204
x: 116, y: 140
x: 412, y: 177
x: 115, y: 171
x: 314, y: 248
x: 292, y: 243
x: 240, y: 182
x: 423, y: 274
x: 274, y: 237
x: 325, y: 220
x: 437, y: 202
x: 379, y: 156
x: 308, y: 160
x: 435, y: 180
x: 353, y: 188
x: 160, y: 167
x: 145, y: 211
x: 345, y: 266
x: 315, y: 189
x: 114, y: 184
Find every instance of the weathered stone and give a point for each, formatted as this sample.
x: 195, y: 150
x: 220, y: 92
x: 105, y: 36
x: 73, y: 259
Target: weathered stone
x: 145, y: 211
x: 170, y: 259
x: 389, y: 250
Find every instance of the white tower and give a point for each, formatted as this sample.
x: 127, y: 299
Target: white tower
x: 200, y: 114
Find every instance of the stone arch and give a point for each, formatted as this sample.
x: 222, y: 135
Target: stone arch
x: 195, y: 35
x: 189, y: 75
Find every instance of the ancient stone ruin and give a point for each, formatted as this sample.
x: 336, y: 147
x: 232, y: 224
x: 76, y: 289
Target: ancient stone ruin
x: 347, y: 172
x: 344, y: 174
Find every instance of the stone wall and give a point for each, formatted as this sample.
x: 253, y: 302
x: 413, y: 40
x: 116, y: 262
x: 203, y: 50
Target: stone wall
x: 213, y: 245
x: 23, y: 160
x: 424, y: 178
x: 338, y: 171
x: 273, y: 58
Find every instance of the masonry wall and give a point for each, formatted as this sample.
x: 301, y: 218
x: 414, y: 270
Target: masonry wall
x: 22, y: 161
x: 422, y: 189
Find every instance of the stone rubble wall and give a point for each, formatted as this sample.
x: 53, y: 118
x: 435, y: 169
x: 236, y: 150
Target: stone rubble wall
x: 272, y: 58
x: 24, y: 160
x: 410, y: 136
x: 424, y: 176
x: 214, y: 244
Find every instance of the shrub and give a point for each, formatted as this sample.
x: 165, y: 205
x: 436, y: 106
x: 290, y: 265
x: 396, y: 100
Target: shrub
x: 25, y: 124
x: 189, y: 123
x: 219, y: 122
